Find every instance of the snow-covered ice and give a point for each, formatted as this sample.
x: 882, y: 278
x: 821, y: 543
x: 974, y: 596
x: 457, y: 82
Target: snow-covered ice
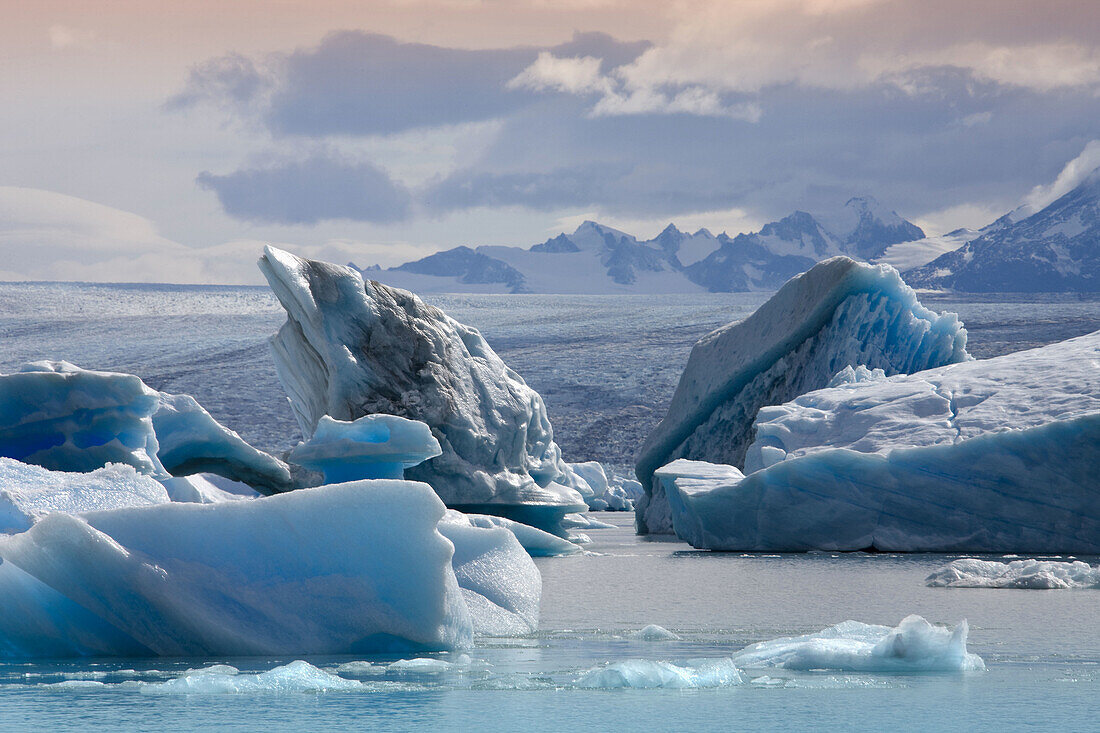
x: 915, y: 646
x: 57, y: 415
x: 839, y: 313
x: 350, y: 348
x: 356, y: 567
x: 996, y: 455
x: 649, y: 674
x: 28, y: 492
x: 372, y: 446
x: 1022, y: 574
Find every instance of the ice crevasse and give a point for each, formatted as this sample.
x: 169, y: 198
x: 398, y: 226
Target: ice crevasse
x: 995, y: 455
x: 840, y: 313
x: 351, y: 348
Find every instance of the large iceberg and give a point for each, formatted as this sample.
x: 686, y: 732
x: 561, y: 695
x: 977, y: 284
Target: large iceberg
x: 350, y: 349
x: 837, y: 314
x: 997, y: 455
x: 355, y: 567
x: 59, y: 416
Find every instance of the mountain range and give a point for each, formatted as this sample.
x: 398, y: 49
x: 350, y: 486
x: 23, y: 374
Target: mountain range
x: 1053, y: 249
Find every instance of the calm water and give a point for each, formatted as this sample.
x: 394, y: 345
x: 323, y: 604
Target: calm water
x: 607, y: 367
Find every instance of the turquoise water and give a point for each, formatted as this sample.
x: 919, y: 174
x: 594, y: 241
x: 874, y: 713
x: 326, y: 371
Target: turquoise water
x: 607, y: 366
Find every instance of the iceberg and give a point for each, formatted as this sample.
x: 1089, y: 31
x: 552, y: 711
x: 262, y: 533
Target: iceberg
x: 350, y: 349
x: 298, y: 676
x: 915, y: 646
x: 535, y: 541
x: 28, y: 492
x: 372, y: 446
x: 206, y: 488
x: 837, y: 314
x: 56, y: 415
x: 996, y: 455
x: 600, y: 492
x: 653, y: 632
x: 347, y: 568
x: 649, y: 674
x: 1021, y: 574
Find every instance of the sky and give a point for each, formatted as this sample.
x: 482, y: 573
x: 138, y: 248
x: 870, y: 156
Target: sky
x: 148, y: 141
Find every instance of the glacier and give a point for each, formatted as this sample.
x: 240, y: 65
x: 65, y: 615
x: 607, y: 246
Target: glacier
x: 337, y: 569
x: 996, y: 455
x: 1021, y: 574
x: 372, y: 446
x: 914, y: 646
x: 837, y: 314
x: 59, y: 416
x: 351, y: 348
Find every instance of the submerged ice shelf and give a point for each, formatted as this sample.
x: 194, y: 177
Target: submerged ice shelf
x: 840, y: 313
x: 996, y: 455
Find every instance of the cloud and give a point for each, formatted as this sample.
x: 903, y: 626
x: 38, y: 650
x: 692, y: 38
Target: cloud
x: 1071, y: 176
x: 322, y: 186
x: 67, y: 37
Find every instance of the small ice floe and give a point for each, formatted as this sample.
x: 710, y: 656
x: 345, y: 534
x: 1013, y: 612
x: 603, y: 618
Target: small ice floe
x: 1022, y: 574
x: 298, y: 676
x: 649, y: 674
x: 653, y: 632
x: 915, y: 646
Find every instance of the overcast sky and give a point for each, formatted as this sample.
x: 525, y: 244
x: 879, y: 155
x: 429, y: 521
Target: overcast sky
x: 165, y: 141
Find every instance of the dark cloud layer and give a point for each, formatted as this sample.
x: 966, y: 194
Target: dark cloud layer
x: 306, y: 192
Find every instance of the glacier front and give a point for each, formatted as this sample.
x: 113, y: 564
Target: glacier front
x: 350, y: 349
x: 840, y: 313
x: 997, y: 455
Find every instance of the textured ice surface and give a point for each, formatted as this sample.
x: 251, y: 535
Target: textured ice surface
x: 914, y: 646
x: 206, y: 488
x: 837, y: 314
x: 1023, y: 574
x: 648, y: 674
x: 997, y: 455
x: 372, y: 446
x: 537, y: 542
x: 298, y: 676
x: 499, y: 581
x: 351, y: 348
x: 57, y: 415
x: 336, y: 569
x: 28, y: 493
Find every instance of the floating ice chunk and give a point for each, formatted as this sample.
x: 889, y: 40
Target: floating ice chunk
x: 420, y: 666
x: 838, y: 313
x: 653, y: 632
x: 914, y: 646
x: 997, y: 455
x: 298, y: 676
x: 361, y: 669
x: 28, y: 493
x: 648, y: 674
x: 500, y: 583
x: 57, y: 415
x: 372, y: 446
x: 351, y: 348
x: 536, y: 542
x: 201, y: 488
x: 1024, y: 574
x: 366, y: 571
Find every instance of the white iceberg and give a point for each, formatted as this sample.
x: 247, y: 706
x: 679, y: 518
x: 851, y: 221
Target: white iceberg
x: 356, y: 567
x: 59, y: 416
x: 535, y: 541
x: 350, y: 348
x: 1021, y: 574
x: 600, y: 492
x: 650, y: 674
x: 915, y: 646
x: 206, y: 488
x: 837, y: 314
x: 372, y: 446
x: 298, y: 676
x: 28, y: 493
x: 997, y: 455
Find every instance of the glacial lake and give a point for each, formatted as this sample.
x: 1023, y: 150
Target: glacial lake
x: 606, y: 366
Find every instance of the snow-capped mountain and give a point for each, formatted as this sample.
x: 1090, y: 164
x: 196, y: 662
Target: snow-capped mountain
x: 599, y: 259
x: 1055, y: 249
